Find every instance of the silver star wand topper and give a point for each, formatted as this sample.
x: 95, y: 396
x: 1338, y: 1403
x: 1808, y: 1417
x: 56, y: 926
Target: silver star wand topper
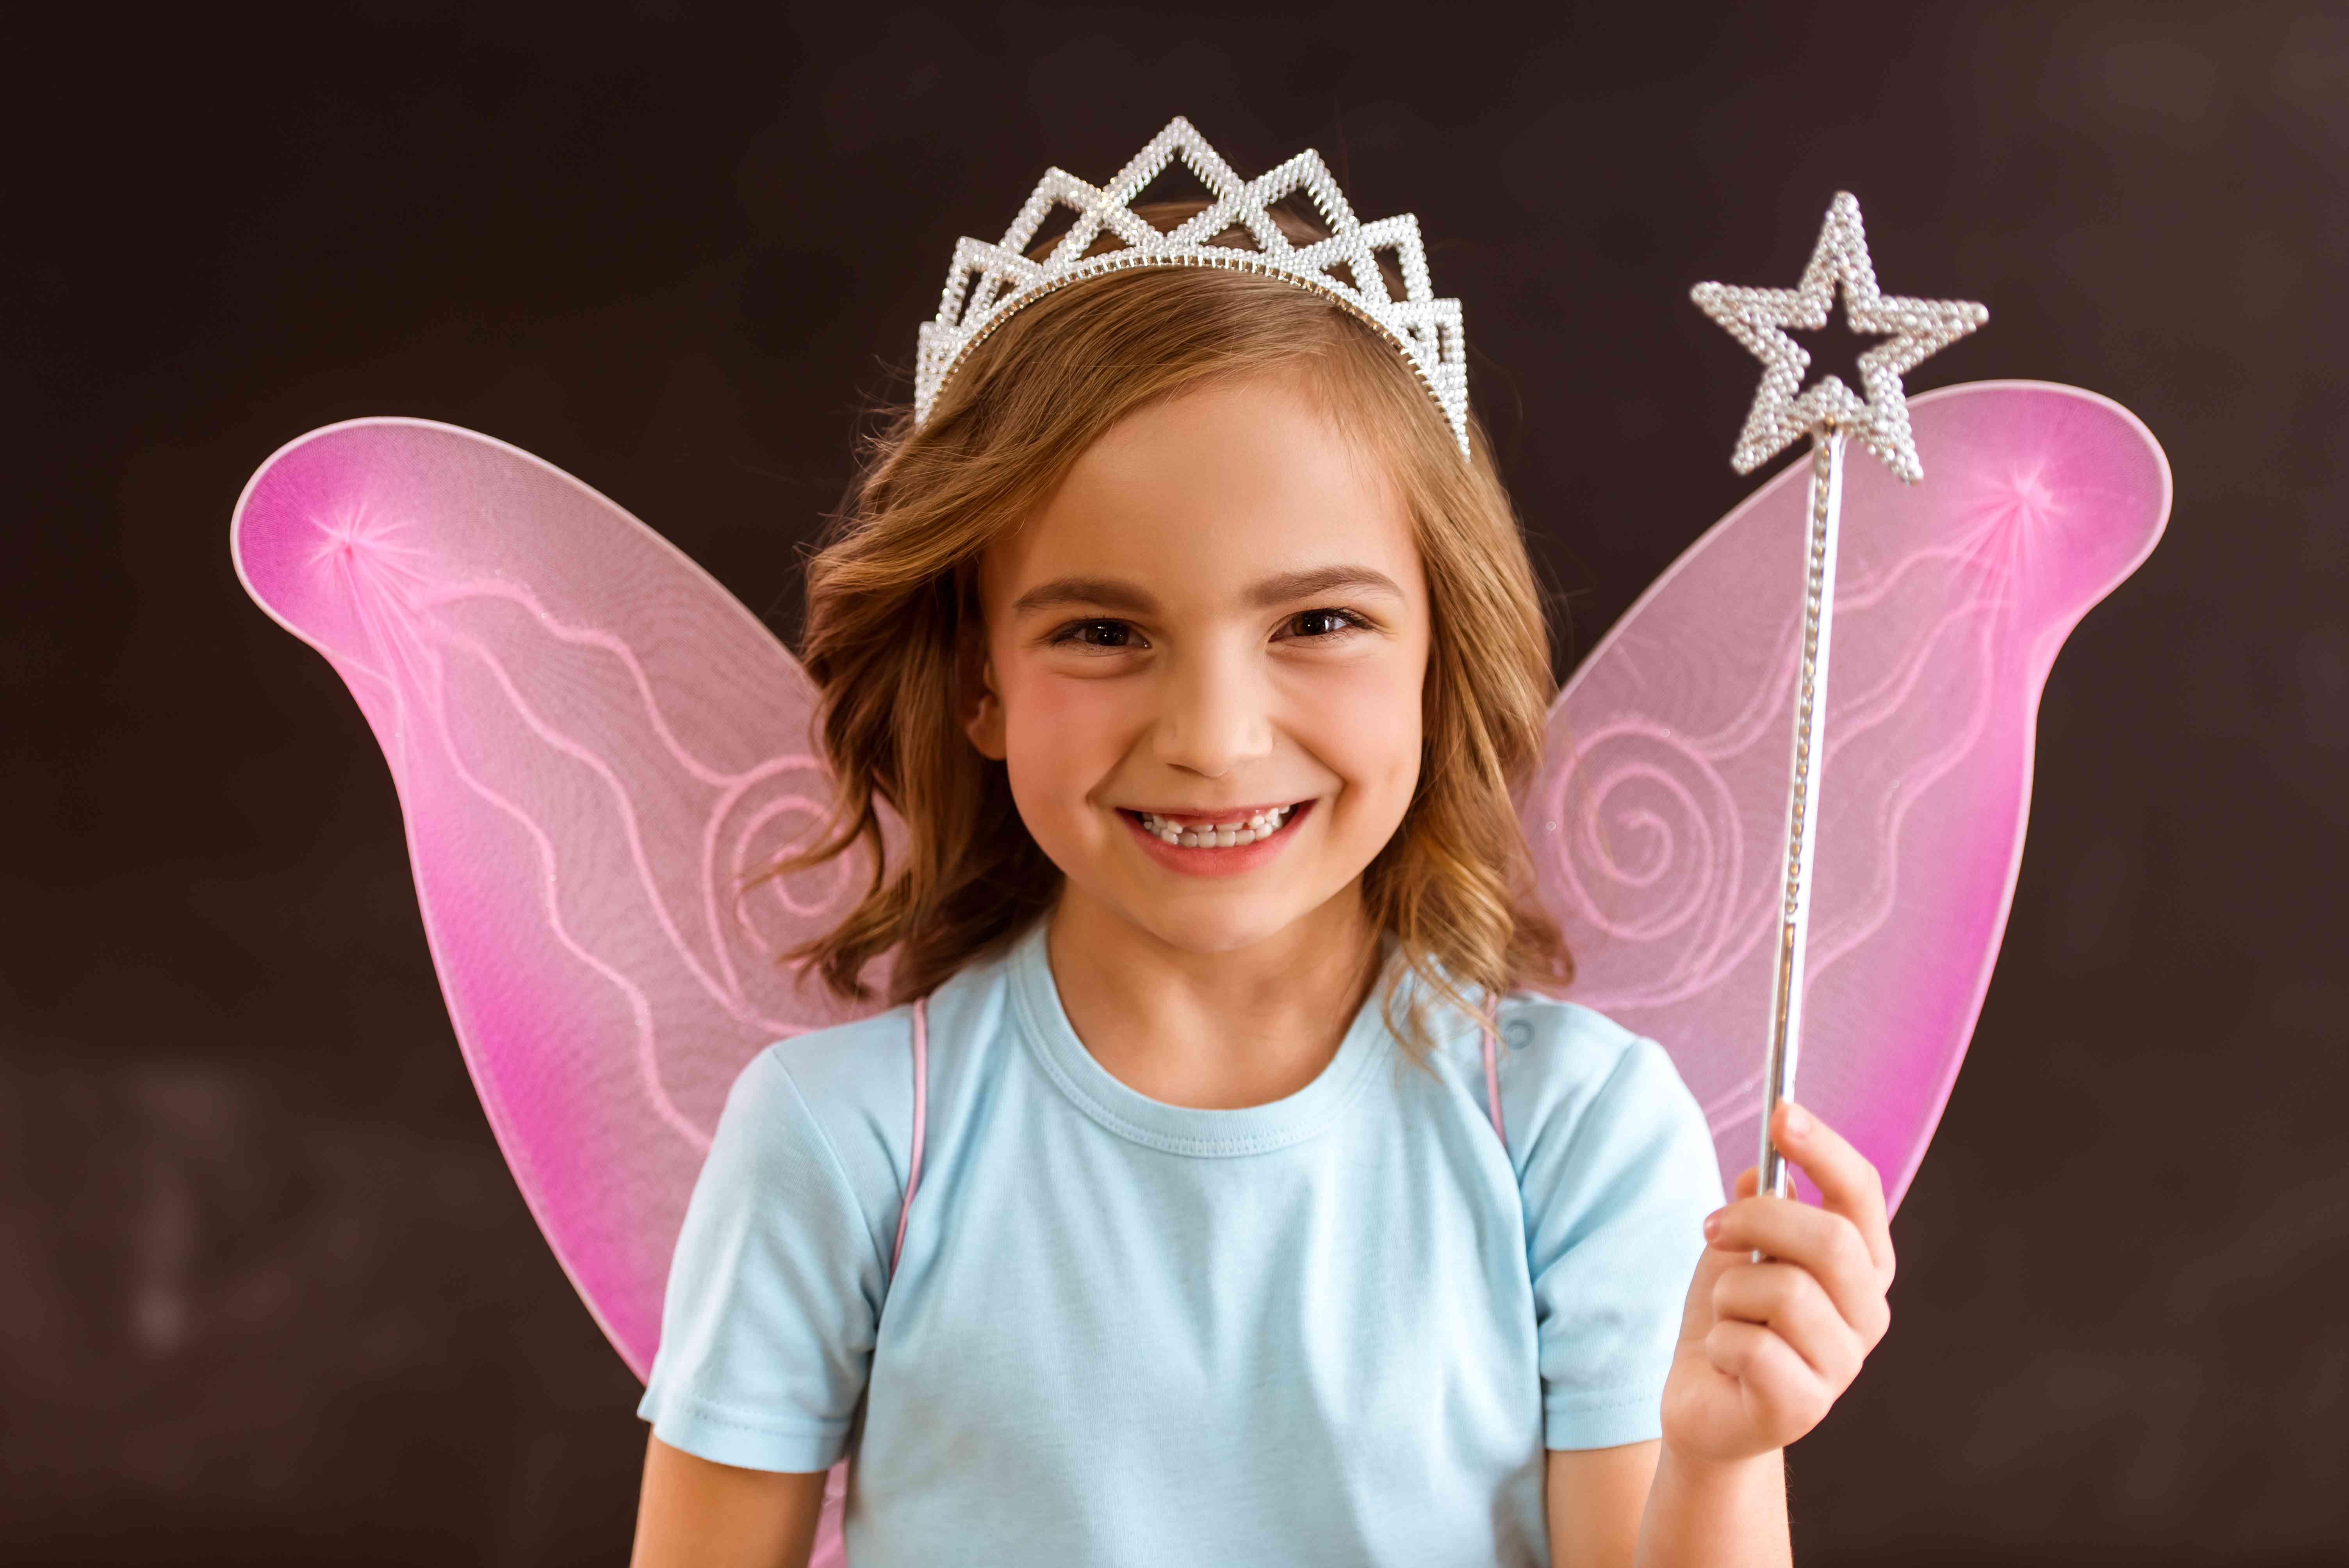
x: 1827, y: 413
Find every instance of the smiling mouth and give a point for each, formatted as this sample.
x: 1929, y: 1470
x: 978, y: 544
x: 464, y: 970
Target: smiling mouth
x: 1240, y: 828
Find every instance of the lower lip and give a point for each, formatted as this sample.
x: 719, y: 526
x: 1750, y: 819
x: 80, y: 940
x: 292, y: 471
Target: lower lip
x: 1224, y: 859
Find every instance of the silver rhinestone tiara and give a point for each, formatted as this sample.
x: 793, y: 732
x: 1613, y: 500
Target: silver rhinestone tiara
x: 987, y: 283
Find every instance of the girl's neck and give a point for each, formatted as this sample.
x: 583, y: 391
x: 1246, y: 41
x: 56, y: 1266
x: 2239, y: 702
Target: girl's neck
x: 1216, y: 1030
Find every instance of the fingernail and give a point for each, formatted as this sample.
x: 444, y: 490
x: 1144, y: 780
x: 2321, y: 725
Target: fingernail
x: 1713, y: 1224
x: 1798, y: 1121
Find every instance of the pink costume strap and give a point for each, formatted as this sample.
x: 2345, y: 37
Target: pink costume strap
x: 1493, y: 1081
x: 921, y: 1105
x: 922, y: 1095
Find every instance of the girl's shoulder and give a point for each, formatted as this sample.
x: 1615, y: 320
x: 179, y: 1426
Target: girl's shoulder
x: 1567, y: 1035
x: 829, y: 1108
x: 1543, y: 1039
x: 864, y: 1065
x: 1571, y: 1073
x: 855, y: 1081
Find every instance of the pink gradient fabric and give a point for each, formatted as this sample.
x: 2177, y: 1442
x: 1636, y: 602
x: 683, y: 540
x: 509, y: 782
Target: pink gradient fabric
x: 1658, y: 820
x: 596, y: 746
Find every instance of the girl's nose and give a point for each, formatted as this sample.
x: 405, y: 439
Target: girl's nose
x: 1212, y: 714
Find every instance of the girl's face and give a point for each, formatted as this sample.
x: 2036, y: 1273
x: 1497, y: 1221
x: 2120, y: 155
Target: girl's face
x: 1218, y: 619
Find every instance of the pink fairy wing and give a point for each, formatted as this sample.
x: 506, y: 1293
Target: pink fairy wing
x: 1659, y: 820
x: 595, y: 745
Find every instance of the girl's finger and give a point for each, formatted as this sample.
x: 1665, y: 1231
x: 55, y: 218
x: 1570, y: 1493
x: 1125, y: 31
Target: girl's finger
x: 1774, y: 1378
x: 1826, y: 1244
x: 1848, y: 1183
x: 1789, y: 1302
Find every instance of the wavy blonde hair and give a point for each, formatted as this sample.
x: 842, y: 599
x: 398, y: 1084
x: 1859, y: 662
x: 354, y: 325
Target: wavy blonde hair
x: 894, y: 639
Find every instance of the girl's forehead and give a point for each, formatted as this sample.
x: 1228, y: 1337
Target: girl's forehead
x: 1227, y: 480
x: 1249, y: 434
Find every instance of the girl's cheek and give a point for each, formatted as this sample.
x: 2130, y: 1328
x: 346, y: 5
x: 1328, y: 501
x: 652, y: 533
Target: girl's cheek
x: 1062, y: 727
x: 1363, y: 721
x: 1051, y: 705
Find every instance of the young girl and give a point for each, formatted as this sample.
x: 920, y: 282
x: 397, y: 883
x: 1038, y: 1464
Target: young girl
x: 1222, y: 1187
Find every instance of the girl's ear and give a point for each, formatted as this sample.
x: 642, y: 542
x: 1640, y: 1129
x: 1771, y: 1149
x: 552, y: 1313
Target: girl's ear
x: 983, y: 715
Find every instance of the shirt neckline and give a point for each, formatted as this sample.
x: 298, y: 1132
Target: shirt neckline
x: 1198, y: 1131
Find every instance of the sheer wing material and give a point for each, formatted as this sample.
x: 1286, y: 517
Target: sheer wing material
x: 1658, y: 820
x: 596, y: 746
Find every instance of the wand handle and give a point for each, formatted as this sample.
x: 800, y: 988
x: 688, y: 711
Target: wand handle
x: 1802, y: 796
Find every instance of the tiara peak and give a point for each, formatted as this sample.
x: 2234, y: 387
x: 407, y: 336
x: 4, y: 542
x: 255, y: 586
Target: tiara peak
x: 986, y: 284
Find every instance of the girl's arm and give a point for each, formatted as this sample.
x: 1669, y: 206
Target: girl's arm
x: 1765, y: 1348
x: 1601, y: 1502
x: 1594, y: 1498
x: 695, y: 1514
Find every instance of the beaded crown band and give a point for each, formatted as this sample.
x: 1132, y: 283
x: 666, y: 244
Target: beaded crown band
x: 986, y: 284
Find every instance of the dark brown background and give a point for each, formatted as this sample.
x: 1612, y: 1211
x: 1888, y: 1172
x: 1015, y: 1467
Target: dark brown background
x: 268, y: 1292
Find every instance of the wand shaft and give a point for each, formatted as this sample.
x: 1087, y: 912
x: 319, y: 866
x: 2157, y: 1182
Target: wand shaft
x: 1802, y: 795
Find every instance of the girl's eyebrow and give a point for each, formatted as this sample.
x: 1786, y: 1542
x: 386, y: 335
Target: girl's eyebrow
x: 1114, y: 594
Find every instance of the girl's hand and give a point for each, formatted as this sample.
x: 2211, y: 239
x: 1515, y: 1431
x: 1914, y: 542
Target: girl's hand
x: 1766, y: 1347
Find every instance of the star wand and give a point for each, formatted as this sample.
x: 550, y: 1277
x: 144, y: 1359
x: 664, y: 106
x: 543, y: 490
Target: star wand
x: 1827, y: 413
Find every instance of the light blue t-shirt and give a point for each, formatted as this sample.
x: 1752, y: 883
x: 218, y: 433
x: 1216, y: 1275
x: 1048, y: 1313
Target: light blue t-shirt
x: 1337, y: 1328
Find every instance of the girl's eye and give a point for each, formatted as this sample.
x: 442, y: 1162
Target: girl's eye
x: 1094, y: 634
x: 1326, y: 625
x: 1307, y: 625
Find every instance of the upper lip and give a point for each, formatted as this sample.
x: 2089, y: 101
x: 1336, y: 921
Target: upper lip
x: 1212, y: 813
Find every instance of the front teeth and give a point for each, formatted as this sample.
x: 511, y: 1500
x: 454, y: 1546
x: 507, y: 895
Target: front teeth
x: 1240, y: 830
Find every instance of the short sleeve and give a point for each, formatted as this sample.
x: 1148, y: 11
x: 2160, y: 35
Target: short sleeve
x: 1618, y: 1178
x: 774, y: 1292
